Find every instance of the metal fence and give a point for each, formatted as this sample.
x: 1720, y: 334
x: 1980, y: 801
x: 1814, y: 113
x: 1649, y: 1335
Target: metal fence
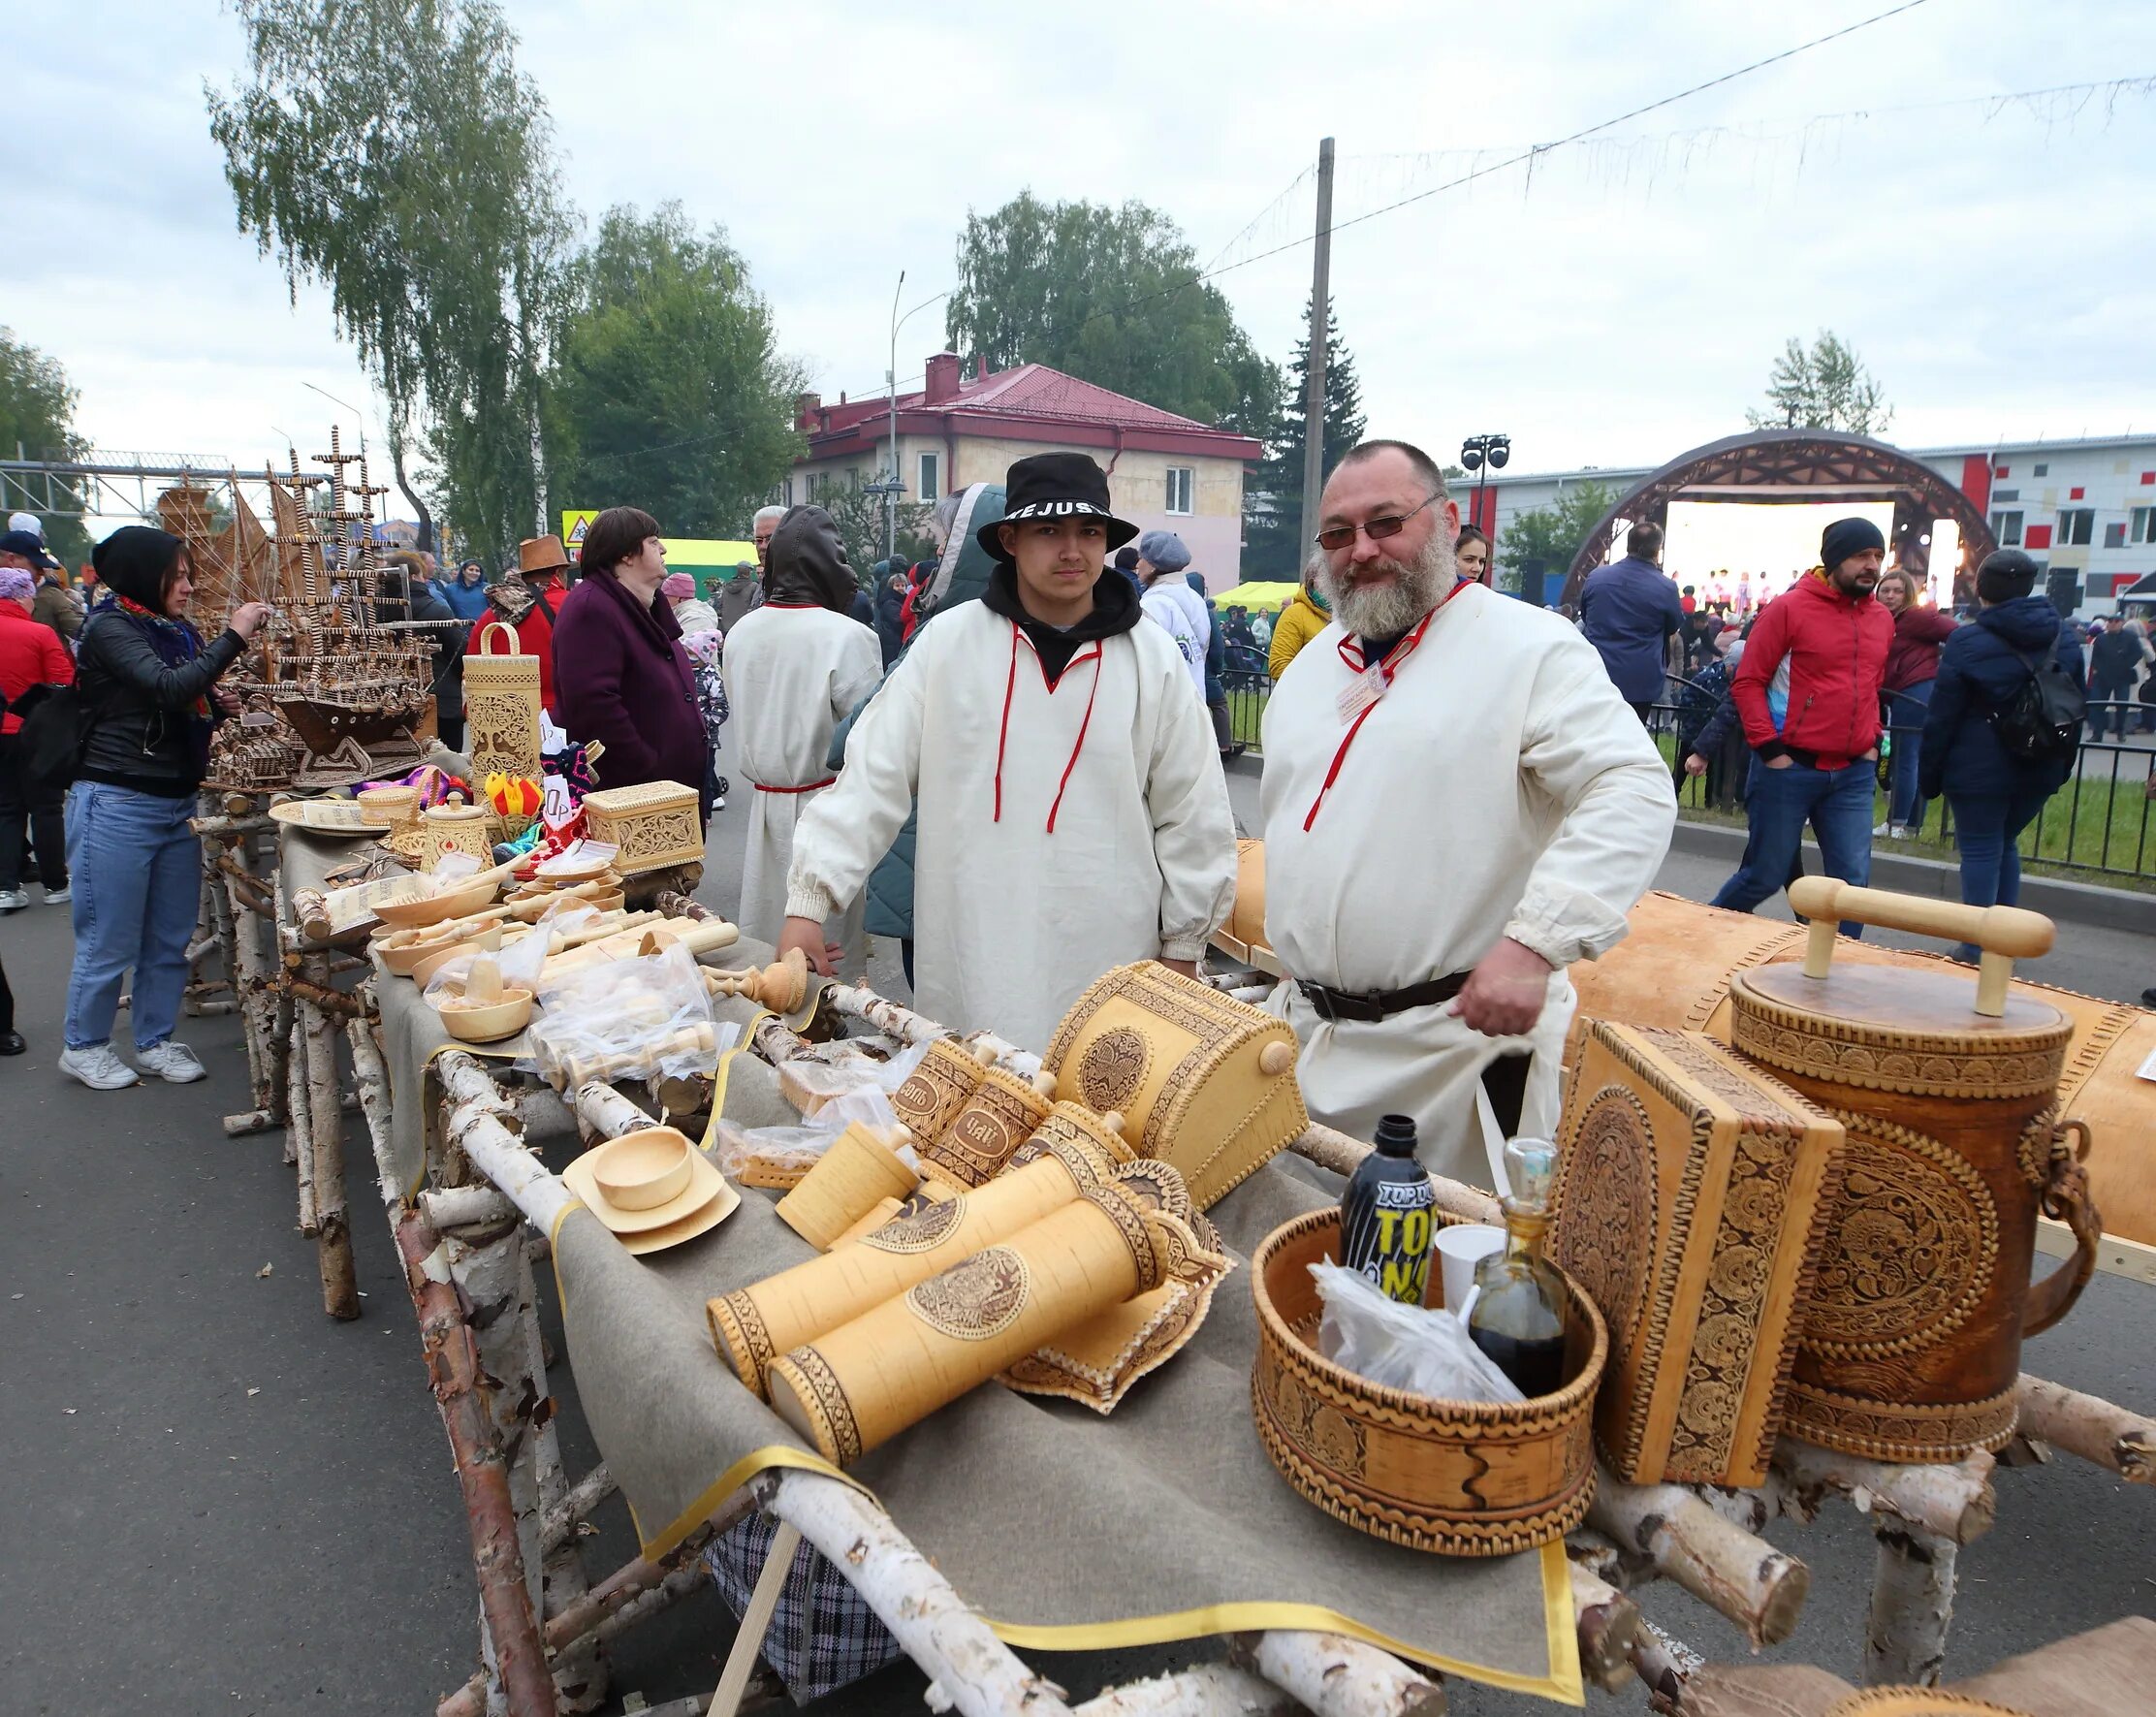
x: 2101, y: 821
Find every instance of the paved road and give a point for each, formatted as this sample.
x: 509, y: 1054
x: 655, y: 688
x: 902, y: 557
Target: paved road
x: 220, y: 1502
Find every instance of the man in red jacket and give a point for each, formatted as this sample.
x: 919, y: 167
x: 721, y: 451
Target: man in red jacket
x: 30, y: 655
x: 1808, y: 695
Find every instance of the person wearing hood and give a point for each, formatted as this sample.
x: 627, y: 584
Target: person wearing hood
x: 149, y: 688
x: 1982, y: 664
x: 1171, y: 604
x: 694, y: 613
x: 619, y: 671
x: 1073, y: 815
x: 1306, y: 615
x: 794, y: 669
x: 466, y: 592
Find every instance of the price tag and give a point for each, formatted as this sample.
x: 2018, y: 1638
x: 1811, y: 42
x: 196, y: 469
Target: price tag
x: 1360, y: 692
x: 2147, y: 1068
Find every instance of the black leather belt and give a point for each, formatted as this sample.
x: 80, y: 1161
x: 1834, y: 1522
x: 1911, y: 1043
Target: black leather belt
x: 1368, y: 1008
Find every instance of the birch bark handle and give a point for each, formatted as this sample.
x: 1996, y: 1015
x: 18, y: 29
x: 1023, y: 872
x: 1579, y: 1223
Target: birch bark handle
x: 2066, y: 1198
x: 2004, y: 934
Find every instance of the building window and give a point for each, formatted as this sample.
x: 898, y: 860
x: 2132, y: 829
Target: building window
x: 2007, y: 527
x: 931, y: 478
x: 2006, y: 494
x: 2077, y: 525
x: 2142, y: 525
x: 2044, y: 470
x: 1180, y: 486
x: 2114, y: 536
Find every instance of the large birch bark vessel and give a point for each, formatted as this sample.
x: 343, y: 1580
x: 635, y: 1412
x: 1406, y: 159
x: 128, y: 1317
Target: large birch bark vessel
x: 1948, y: 1090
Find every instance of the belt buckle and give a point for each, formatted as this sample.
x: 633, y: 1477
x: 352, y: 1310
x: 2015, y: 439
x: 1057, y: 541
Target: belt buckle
x: 1336, y: 1005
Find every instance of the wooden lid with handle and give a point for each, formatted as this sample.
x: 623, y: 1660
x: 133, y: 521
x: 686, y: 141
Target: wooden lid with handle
x: 2002, y: 934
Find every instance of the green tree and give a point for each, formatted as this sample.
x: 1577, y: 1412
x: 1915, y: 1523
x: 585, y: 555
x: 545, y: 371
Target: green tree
x: 1275, y: 545
x: 391, y: 150
x: 1824, y: 388
x: 667, y: 387
x: 37, y: 414
x: 1111, y: 296
x: 1545, y: 539
x: 860, y: 518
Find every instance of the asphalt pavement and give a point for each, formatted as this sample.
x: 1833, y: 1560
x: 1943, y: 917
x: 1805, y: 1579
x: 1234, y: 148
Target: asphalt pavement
x: 222, y: 1502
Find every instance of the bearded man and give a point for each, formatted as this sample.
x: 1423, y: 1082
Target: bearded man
x: 1458, y: 804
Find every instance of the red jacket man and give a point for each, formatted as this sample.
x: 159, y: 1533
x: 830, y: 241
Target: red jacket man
x: 31, y: 653
x: 529, y: 604
x: 1808, y: 696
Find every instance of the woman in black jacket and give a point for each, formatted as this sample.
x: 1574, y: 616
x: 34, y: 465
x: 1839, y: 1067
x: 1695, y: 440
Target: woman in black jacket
x: 147, y: 680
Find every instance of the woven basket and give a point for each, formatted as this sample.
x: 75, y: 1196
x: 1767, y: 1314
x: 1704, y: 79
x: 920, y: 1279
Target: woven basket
x: 1458, y: 1477
x: 501, y: 707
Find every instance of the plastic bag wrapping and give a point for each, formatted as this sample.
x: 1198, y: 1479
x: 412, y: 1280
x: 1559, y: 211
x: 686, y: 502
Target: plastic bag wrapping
x: 770, y: 1156
x: 642, y: 1018
x: 1401, y: 1347
x: 835, y: 1070
x: 522, y: 959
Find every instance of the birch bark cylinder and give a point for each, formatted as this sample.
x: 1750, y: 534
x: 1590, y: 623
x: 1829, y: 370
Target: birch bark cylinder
x: 1913, y: 1594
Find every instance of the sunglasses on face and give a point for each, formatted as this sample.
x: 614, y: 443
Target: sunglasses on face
x: 1376, y: 529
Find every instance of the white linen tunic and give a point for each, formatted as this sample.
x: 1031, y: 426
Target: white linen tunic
x: 1061, y: 832
x: 1500, y: 787
x: 792, y: 673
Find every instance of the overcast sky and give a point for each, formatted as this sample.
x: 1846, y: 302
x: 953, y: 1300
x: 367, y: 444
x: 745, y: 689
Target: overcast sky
x: 1996, y: 265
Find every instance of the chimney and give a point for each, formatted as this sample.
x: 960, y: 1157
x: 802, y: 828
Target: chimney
x: 806, y: 407
x: 942, y: 379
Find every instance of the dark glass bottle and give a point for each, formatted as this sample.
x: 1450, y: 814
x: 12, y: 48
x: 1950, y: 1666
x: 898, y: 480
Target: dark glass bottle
x: 1388, y: 1216
x: 1518, y: 1319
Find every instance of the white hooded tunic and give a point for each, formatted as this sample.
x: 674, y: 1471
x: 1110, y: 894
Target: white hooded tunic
x: 792, y: 673
x: 1061, y: 832
x: 1499, y: 787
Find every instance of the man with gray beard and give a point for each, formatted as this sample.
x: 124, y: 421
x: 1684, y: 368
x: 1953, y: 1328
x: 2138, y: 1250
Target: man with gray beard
x: 1457, y: 805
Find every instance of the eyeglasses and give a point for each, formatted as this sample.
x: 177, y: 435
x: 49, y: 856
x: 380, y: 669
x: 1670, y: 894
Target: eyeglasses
x: 1376, y: 529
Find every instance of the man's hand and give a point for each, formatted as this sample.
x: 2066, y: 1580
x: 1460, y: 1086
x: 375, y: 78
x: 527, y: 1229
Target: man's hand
x: 1505, y: 992
x: 1695, y: 764
x: 1188, y: 967
x: 807, y: 935
x: 1785, y: 761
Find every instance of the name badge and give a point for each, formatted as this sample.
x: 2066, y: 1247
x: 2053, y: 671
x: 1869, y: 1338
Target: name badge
x: 1362, y: 691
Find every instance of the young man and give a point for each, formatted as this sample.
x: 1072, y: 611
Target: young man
x: 1808, y: 695
x: 794, y: 668
x: 1073, y: 815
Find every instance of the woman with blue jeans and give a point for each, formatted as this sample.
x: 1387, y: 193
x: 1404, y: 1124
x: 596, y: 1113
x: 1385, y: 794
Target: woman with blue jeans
x: 1905, y: 694
x: 1994, y: 795
x: 147, y: 682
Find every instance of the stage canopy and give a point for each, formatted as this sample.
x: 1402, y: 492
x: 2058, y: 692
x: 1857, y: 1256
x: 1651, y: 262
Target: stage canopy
x: 1258, y: 594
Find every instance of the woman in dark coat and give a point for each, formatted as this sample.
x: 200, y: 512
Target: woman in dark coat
x: 1994, y: 795
x: 620, y: 672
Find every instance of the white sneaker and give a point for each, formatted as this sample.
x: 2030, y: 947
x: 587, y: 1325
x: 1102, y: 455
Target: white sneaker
x: 173, y: 1063
x: 58, y: 897
x: 1878, y: 829
x: 12, y: 900
x: 1902, y: 832
x: 98, y: 1067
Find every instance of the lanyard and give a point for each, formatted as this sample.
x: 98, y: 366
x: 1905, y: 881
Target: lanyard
x: 1385, y: 669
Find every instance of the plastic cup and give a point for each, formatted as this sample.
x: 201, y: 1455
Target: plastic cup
x: 1461, y: 1246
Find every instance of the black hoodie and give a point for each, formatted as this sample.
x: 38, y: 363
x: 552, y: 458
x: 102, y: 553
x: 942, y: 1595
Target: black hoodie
x: 1115, y: 611
x: 807, y: 563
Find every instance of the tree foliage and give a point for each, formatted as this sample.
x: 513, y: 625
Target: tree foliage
x: 1274, y: 543
x: 1549, y: 537
x: 37, y: 414
x: 667, y: 389
x: 860, y: 518
x: 391, y: 151
x: 1824, y: 388
x: 1111, y: 296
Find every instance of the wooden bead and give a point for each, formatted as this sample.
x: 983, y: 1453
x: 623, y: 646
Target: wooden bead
x: 1275, y: 1059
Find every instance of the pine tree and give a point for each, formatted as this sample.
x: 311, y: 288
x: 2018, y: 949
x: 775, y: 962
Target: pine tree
x: 1275, y: 544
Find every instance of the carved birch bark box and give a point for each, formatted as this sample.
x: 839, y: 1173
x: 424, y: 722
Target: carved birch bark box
x: 1692, y: 1205
x: 655, y: 825
x: 1204, y: 1082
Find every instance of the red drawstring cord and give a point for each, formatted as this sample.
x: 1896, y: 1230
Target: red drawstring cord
x: 1010, y: 685
x: 1003, y: 736
x: 1389, y: 668
x: 1080, y: 746
x: 1333, y: 773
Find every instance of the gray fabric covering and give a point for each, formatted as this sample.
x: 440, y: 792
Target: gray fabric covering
x: 1043, y: 1515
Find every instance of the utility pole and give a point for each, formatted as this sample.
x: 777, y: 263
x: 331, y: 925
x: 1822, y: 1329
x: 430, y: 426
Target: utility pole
x: 891, y: 375
x: 1320, y: 320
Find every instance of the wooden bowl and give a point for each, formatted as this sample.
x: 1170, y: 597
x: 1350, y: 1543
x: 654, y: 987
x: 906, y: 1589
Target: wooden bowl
x: 642, y: 1169
x: 432, y: 908
x: 1459, y: 1477
x: 489, y: 1022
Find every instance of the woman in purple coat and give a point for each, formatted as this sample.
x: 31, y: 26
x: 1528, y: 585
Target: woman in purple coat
x: 621, y: 674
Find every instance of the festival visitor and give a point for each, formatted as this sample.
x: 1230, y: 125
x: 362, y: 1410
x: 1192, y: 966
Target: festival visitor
x: 694, y: 614
x: 1688, y: 599
x: 797, y: 667
x: 1454, y: 812
x: 1808, y: 695
x: 892, y: 578
x: 619, y: 666
x: 30, y: 816
x: 466, y: 592
x: 149, y: 692
x: 1627, y: 609
x: 2146, y: 697
x: 1305, y: 615
x: 2114, y: 657
x: 1911, y: 669
x: 1261, y: 631
x: 1126, y: 564
x: 1073, y: 815
x: 1994, y: 795
x: 1170, y: 602
x: 54, y: 604
x: 705, y: 652
x: 530, y: 603
x: 738, y: 594
x: 1216, y: 669
x: 445, y: 636
x: 762, y: 528
x: 1472, y: 552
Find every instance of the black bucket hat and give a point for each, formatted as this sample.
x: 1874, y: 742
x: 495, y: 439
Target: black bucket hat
x: 1054, y: 486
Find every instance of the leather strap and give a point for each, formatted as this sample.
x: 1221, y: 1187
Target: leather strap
x: 1368, y: 1008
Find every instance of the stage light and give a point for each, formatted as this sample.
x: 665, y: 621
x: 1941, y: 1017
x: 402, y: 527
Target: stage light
x: 1471, y: 456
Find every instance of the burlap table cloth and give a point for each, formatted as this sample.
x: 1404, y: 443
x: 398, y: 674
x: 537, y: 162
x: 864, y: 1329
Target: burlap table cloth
x: 1068, y: 1531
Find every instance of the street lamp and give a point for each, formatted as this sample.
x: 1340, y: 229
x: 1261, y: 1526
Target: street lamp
x: 895, y: 484
x: 1482, y: 455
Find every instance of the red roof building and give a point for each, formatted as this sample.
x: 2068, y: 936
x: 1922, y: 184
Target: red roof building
x: 1164, y: 472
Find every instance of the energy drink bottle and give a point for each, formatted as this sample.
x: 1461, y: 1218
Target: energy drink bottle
x: 1387, y: 1217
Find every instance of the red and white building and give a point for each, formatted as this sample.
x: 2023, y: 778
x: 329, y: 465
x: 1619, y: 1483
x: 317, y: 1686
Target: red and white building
x: 1164, y: 472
